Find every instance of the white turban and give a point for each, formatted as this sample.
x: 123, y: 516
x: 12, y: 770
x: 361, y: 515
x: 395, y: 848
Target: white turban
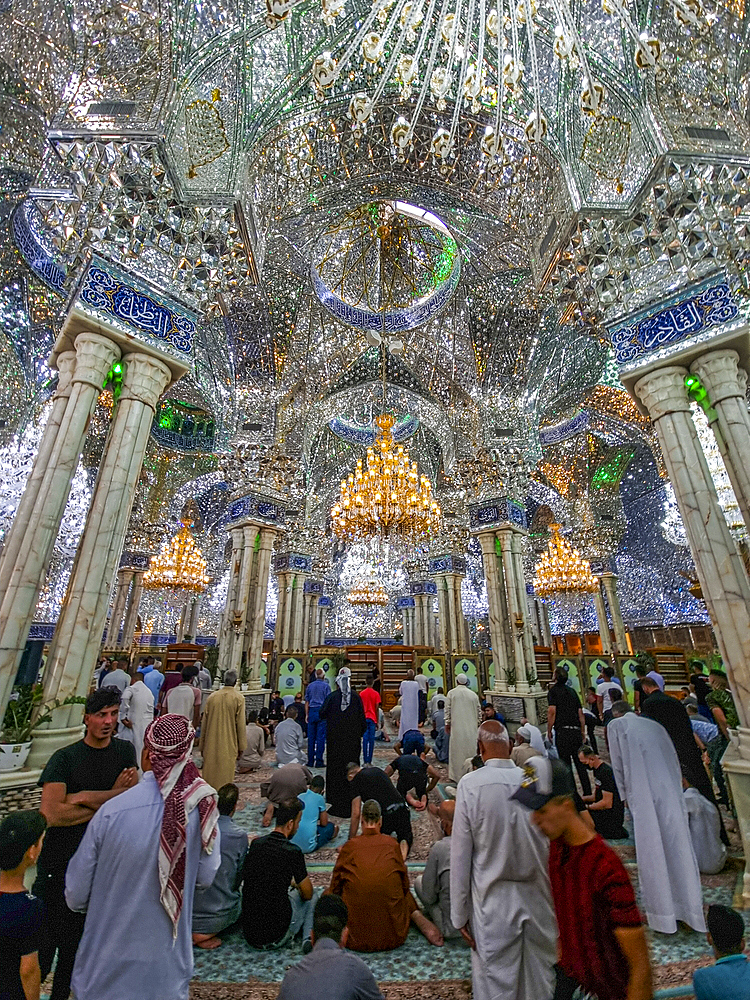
x: 533, y: 736
x: 462, y: 679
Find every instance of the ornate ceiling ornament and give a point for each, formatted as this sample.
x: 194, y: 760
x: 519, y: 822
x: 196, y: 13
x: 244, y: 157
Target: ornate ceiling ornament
x: 179, y: 566
x: 562, y: 570
x: 206, y: 134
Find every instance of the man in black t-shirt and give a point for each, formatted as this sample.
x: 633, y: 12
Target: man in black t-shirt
x: 76, y: 781
x: 370, y: 782
x: 413, y: 775
x: 605, y: 806
x: 277, y: 894
x: 565, y: 716
x: 21, y: 914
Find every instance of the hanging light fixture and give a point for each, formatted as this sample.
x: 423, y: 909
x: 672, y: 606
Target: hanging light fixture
x: 179, y: 566
x: 562, y: 571
x: 368, y: 592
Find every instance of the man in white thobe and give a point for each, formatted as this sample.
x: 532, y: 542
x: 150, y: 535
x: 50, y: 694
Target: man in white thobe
x: 136, y: 870
x: 136, y: 713
x: 463, y: 714
x: 648, y: 776
x: 500, y: 892
x: 409, y: 692
x: 705, y: 831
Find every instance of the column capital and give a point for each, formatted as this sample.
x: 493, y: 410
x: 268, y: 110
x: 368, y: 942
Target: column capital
x: 720, y: 374
x: 66, y: 366
x: 663, y: 391
x: 95, y: 355
x: 145, y: 379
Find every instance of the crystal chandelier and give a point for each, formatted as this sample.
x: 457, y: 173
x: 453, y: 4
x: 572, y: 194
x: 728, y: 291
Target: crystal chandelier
x: 368, y: 592
x: 387, y: 498
x: 179, y: 566
x: 562, y: 571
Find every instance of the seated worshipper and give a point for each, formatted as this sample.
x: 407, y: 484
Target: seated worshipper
x: 314, y: 830
x: 371, y: 878
x: 185, y: 699
x: 286, y: 783
x: 437, y: 704
x: 601, y: 942
x: 442, y: 737
x: 172, y: 817
x: 413, y: 774
x: 705, y: 831
x: 290, y: 742
x: 299, y: 707
x: 277, y: 894
x: 703, y: 729
x: 730, y: 976
x: 395, y: 714
x: 275, y: 710
x: 219, y: 906
x: 605, y: 805
x: 252, y: 757
x: 523, y: 748
x: 489, y: 714
x: 21, y: 914
x: 371, y: 782
x: 330, y: 971
x: 412, y: 741
x: 433, y: 888
x: 608, y: 691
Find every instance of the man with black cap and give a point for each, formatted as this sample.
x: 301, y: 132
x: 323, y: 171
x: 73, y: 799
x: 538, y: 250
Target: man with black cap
x: 730, y: 976
x: 602, y: 946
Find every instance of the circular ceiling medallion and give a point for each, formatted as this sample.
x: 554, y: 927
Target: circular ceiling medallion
x: 386, y: 266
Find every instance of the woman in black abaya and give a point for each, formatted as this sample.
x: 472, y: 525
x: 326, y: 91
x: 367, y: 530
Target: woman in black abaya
x: 345, y: 724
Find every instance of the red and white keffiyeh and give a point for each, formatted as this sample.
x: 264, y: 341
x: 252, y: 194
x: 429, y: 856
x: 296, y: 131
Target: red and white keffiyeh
x: 170, y: 740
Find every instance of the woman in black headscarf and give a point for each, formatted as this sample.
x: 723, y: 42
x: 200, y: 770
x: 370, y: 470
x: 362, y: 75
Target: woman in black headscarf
x: 345, y: 725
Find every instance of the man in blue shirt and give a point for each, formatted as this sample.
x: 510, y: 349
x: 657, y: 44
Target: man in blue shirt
x: 153, y: 678
x: 315, y: 694
x: 315, y: 829
x: 730, y: 976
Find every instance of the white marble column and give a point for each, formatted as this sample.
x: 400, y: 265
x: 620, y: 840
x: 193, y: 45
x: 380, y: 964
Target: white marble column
x: 544, y: 623
x: 18, y: 535
x: 516, y: 620
x: 134, y: 606
x: 282, y: 612
x: 609, y: 582
x: 321, y: 635
x: 527, y: 638
x: 258, y: 615
x: 722, y: 576
x: 495, y: 605
x: 601, y: 618
x: 78, y: 635
x: 122, y: 589
x: 227, y: 617
x: 94, y: 358
x: 195, y: 609
x: 249, y: 532
x: 443, y: 613
x: 728, y: 416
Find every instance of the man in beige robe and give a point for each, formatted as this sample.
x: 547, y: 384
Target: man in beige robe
x: 463, y: 715
x: 223, y: 735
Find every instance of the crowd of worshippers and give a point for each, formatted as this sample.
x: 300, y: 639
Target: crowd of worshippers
x: 522, y: 874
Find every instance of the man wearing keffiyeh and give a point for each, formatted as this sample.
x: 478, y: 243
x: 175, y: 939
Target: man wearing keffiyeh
x: 135, y: 873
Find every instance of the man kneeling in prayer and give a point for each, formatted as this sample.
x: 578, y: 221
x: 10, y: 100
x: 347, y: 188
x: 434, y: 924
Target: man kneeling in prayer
x: 371, y: 878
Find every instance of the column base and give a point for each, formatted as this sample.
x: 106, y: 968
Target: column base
x: 743, y: 746
x: 737, y: 769
x: 46, y: 741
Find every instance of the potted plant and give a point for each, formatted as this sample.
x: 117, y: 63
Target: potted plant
x: 531, y: 678
x: 20, y: 719
x: 510, y: 677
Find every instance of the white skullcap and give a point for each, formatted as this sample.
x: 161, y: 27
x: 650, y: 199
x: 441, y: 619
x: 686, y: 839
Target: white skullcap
x: 525, y: 733
x: 462, y: 679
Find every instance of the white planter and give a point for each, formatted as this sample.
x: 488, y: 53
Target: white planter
x: 13, y: 755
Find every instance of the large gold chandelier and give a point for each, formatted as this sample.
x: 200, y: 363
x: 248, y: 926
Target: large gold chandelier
x: 387, y: 498
x: 367, y: 593
x: 562, y: 570
x: 179, y: 566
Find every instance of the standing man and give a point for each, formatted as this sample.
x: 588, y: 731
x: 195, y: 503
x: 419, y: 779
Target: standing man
x: 315, y: 694
x: 371, y: 704
x: 409, y: 691
x: 500, y: 892
x: 145, y: 900
x: 185, y: 699
x: 204, y: 677
x: 423, y: 689
x: 153, y: 678
x: 463, y: 715
x: 602, y: 946
x: 223, y: 736
x: 648, y: 775
x: 565, y: 717
x: 77, y: 780
x: 136, y: 713
x: 119, y: 677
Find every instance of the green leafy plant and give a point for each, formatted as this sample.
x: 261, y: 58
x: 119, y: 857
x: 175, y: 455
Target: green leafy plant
x: 510, y: 676
x: 645, y: 659
x: 531, y: 677
x: 24, y: 712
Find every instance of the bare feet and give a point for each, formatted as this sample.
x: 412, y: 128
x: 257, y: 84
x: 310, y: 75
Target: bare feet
x: 267, y: 815
x: 206, y: 941
x: 335, y: 831
x: 404, y: 849
x: 430, y: 931
x: 422, y: 804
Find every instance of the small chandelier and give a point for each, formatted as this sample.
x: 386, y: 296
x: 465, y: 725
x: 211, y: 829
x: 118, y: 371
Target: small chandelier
x: 179, y: 566
x: 562, y: 570
x: 387, y: 498
x: 368, y: 593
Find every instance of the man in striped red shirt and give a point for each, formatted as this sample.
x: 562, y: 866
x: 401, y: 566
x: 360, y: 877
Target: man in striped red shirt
x: 602, y: 945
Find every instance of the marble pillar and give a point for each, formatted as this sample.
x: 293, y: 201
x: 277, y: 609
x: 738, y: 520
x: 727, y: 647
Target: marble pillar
x: 280, y: 643
x: 728, y: 416
x: 133, y: 607
x: 74, y: 649
x: 516, y: 618
x: 195, y: 609
x: 527, y: 638
x: 723, y: 579
x: 30, y: 546
x: 496, y: 604
x: 609, y: 582
x: 250, y: 533
x: 226, y: 625
x: 257, y: 619
x: 544, y: 622
x: 601, y: 618
x: 122, y: 589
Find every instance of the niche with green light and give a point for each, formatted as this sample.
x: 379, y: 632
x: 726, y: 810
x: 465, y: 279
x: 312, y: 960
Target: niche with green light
x: 183, y: 426
x: 113, y: 379
x: 697, y: 393
x: 609, y: 475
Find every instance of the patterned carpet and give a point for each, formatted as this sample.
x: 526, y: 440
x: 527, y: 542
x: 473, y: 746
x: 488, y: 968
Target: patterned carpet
x: 236, y: 972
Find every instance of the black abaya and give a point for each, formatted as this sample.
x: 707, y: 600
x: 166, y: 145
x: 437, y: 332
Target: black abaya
x: 667, y: 711
x: 344, y: 731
